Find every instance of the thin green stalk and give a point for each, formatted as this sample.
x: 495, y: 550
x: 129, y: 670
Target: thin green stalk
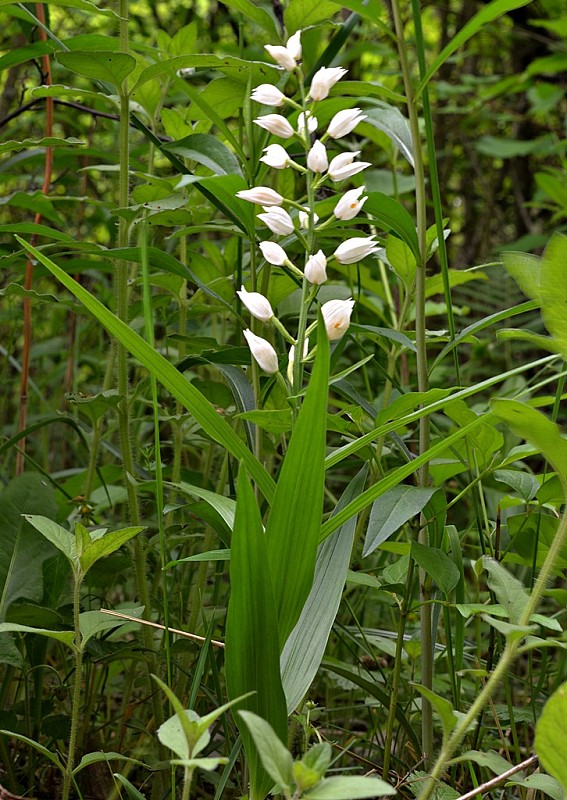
x: 422, y: 372
x: 182, y: 329
x: 121, y: 288
x: 396, y: 676
x: 504, y: 664
x: 76, y: 696
x: 434, y: 180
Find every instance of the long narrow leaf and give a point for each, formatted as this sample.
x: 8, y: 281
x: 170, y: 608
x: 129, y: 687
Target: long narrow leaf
x: 165, y: 373
x: 252, y: 642
x: 294, y: 523
x: 306, y: 644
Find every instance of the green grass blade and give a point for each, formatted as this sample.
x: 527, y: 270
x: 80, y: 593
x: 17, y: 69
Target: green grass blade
x: 483, y: 17
x: 252, y: 649
x: 165, y: 373
x: 294, y: 523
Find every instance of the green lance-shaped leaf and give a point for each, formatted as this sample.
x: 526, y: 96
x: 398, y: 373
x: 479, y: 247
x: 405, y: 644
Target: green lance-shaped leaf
x: 294, y: 523
x: 349, y: 787
x: 165, y: 373
x: 533, y: 426
x: 99, y: 65
x: 393, y: 216
x: 551, y: 730
x: 208, y: 151
x: 507, y: 589
x: 305, y: 646
x: 553, y: 290
x: 274, y: 755
x: 22, y: 551
x: 252, y: 642
x: 438, y: 566
x: 443, y: 708
x: 107, y: 544
x: 67, y: 637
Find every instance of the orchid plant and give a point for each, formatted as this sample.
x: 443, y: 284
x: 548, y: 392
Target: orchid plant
x: 286, y: 216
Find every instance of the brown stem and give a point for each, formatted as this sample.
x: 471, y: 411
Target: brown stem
x: 28, y: 278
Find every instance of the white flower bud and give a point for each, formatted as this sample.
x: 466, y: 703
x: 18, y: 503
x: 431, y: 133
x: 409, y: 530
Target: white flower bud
x: 344, y: 122
x: 277, y: 220
x: 263, y: 352
x: 303, y: 217
x: 317, y: 160
x: 276, y: 156
x: 262, y: 195
x: 323, y: 80
x: 349, y: 205
x: 342, y: 166
x: 336, y: 315
x: 276, y: 124
x: 268, y: 95
x: 312, y: 123
x: 355, y: 249
x: 316, y: 268
x: 273, y: 253
x: 293, y: 45
x: 258, y: 305
x: 291, y: 358
x: 281, y: 56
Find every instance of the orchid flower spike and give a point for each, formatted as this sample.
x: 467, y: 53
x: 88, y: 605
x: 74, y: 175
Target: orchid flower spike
x: 262, y: 351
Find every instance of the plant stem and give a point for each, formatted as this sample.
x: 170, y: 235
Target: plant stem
x: 422, y: 377
x: 76, y: 697
x: 504, y: 664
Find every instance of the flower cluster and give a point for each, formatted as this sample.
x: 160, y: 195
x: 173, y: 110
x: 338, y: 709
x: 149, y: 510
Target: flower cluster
x: 284, y: 217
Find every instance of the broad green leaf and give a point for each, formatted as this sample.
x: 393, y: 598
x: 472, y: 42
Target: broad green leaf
x: 499, y: 147
x: 533, y: 426
x: 97, y: 405
x: 523, y: 483
x: 507, y: 589
x: 257, y: 14
x: 391, y: 511
x: 305, y: 646
x: 292, y: 529
x: 67, y: 637
x: 275, y: 757
x: 106, y: 545
x: 99, y: 65
x: 208, y: 151
x: 438, y: 566
x: 553, y: 289
x: 182, y: 732
x: 392, y: 122
x: 221, y: 191
x: 508, y: 629
x: 165, y: 372
x: 210, y: 555
x: 525, y: 268
x: 349, y: 787
x: 59, y: 90
x: 539, y: 782
x: 23, y: 552
x: 93, y: 622
x: 302, y: 13
x: 401, y: 259
x: 54, y: 533
x: 225, y: 506
x: 487, y: 14
x: 442, y: 706
x: 252, y: 641
x: 536, y: 339
x: 489, y: 759
x: 390, y: 213
x: 551, y: 730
